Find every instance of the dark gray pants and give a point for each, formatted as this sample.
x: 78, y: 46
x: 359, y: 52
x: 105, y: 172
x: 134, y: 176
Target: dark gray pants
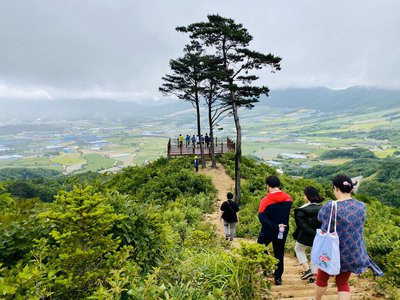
x: 229, y: 229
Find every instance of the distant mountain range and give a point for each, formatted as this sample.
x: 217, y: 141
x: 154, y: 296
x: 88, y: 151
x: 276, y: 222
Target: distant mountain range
x: 324, y: 99
x: 74, y: 110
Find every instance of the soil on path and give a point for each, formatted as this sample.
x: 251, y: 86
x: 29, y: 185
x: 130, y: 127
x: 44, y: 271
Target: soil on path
x: 223, y: 183
x: 292, y: 286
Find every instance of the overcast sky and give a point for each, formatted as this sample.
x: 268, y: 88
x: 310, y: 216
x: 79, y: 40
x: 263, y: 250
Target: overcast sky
x: 119, y: 49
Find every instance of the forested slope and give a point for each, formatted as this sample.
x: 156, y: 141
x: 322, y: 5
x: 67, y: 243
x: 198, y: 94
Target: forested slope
x: 382, y: 228
x: 141, y: 234
x: 381, y: 176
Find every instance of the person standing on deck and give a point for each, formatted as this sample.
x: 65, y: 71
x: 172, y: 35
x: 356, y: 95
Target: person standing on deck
x: 207, y: 140
x: 180, y: 140
x: 194, y: 141
x: 187, y: 140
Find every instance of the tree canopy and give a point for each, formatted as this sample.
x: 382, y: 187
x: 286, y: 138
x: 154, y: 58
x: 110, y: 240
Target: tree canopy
x: 238, y: 68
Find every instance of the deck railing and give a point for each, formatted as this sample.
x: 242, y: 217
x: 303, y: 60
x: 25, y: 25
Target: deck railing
x: 175, y: 149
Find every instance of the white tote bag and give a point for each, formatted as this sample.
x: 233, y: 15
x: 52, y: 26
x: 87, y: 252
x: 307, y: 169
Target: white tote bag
x: 325, y: 253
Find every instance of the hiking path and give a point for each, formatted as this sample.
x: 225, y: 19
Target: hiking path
x: 292, y: 287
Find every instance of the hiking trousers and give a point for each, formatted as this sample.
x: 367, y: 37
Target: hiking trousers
x: 279, y: 250
x: 300, y: 250
x: 229, y: 228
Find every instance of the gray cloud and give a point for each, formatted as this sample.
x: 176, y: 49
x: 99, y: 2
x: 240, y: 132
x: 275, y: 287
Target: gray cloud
x: 120, y: 49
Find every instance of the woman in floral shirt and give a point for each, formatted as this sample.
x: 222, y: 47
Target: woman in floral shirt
x: 350, y: 225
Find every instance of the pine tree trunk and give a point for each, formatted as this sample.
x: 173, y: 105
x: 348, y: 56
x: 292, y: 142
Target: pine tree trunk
x: 212, y: 150
x: 203, y: 161
x: 238, y: 152
x: 211, y: 125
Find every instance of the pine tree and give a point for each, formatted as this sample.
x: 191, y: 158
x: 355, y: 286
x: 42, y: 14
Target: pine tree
x: 82, y: 248
x: 185, y: 82
x: 230, y: 42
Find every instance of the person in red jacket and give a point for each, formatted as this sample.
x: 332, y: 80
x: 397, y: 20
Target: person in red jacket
x: 273, y: 215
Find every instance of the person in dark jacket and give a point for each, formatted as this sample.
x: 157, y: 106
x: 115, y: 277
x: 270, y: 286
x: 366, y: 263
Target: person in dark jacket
x: 207, y: 140
x: 196, y: 163
x: 229, y: 213
x: 307, y: 224
x: 273, y: 215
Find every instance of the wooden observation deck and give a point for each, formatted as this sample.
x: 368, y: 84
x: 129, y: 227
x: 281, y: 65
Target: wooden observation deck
x: 220, y: 147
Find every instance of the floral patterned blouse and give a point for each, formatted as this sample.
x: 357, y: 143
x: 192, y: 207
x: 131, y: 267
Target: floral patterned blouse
x: 350, y: 226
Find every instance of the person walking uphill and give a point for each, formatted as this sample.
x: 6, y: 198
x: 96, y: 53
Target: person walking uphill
x: 229, y: 213
x: 306, y: 226
x: 273, y: 215
x: 351, y: 216
x: 196, y: 163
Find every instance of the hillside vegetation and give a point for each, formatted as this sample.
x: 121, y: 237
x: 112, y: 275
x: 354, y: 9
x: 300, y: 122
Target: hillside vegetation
x: 382, y: 228
x: 141, y: 234
x: 380, y: 176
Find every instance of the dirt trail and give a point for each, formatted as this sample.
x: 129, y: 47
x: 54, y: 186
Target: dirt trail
x: 223, y: 184
x: 292, y: 286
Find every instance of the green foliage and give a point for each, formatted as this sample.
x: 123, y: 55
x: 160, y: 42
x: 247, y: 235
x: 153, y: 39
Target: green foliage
x: 95, y: 242
x: 39, y: 279
x: 82, y: 245
x: 248, y: 166
x: 218, y: 274
x: 235, y: 70
x: 229, y: 42
x: 96, y: 162
x: 227, y: 160
x: 390, y: 170
x: 385, y: 134
x: 381, y: 237
x: 21, y: 189
x: 381, y: 177
x: 387, y: 192
x: 201, y: 238
x: 392, y: 264
x: 361, y: 166
x: 321, y: 171
x: 20, y: 225
x: 161, y: 181
x: 121, y: 279
x: 385, y: 184
x: 45, y: 188
x: 142, y: 228
x: 27, y: 173
x: 115, y: 239
x: 5, y: 199
x: 347, y: 153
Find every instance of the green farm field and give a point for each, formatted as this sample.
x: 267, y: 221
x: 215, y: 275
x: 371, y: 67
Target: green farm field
x: 267, y: 133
